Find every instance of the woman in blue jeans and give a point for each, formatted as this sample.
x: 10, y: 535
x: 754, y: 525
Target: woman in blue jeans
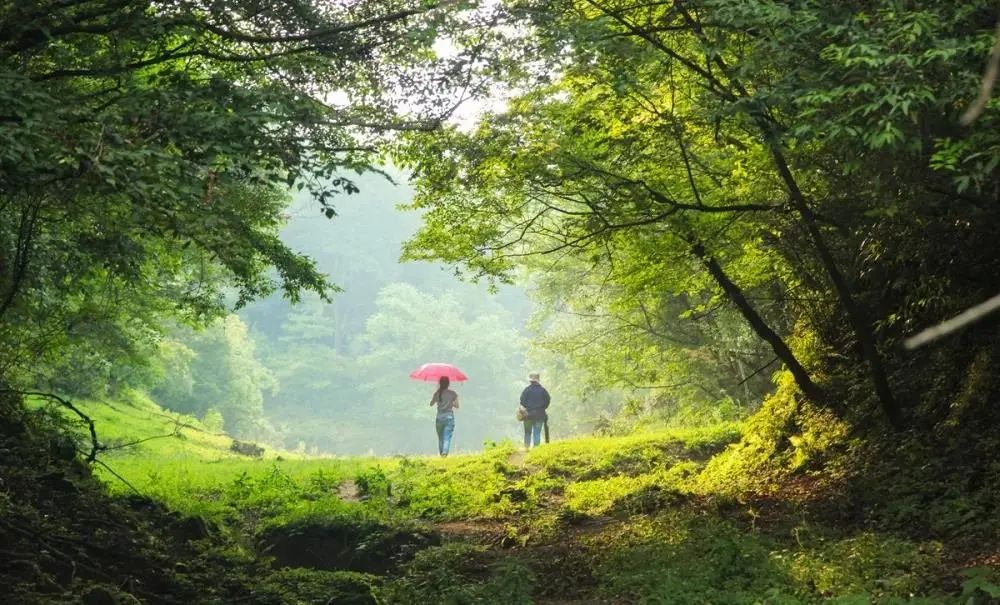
x: 447, y: 403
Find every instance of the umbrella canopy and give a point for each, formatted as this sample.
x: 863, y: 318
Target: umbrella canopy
x: 432, y: 372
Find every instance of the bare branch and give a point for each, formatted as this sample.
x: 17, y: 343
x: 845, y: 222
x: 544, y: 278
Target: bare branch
x: 969, y: 316
x: 757, y: 371
x: 326, y: 32
x: 119, y: 477
x: 986, y: 88
x: 95, y: 446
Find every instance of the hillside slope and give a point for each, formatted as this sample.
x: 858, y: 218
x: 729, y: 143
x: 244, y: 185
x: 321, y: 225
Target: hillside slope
x: 638, y: 519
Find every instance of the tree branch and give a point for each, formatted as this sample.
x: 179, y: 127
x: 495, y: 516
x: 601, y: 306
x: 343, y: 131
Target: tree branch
x: 95, y: 446
x: 326, y: 32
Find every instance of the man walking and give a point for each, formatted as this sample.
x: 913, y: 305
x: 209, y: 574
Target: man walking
x: 534, y: 402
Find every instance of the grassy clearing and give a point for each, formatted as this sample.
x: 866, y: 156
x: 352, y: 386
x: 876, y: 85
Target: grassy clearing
x: 133, y: 417
x: 589, y: 457
x: 648, y: 518
x: 175, y: 459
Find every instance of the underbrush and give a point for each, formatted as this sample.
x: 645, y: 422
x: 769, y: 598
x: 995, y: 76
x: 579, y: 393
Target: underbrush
x: 928, y: 487
x: 461, y: 574
x: 631, y: 494
x: 259, y: 491
x: 788, y: 509
x: 680, y: 558
x: 786, y: 436
x: 308, y: 587
x: 588, y: 458
x: 442, y: 489
x: 133, y: 423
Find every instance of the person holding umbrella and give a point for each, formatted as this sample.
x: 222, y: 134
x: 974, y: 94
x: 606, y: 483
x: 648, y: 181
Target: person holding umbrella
x: 534, y: 401
x: 445, y: 399
x: 447, y: 402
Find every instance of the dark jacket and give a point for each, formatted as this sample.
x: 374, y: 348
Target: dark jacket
x: 535, y: 399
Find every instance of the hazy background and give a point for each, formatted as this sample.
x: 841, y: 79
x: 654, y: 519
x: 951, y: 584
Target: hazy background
x: 333, y: 377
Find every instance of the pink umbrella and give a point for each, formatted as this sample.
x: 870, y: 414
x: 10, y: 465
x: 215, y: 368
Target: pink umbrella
x: 431, y: 372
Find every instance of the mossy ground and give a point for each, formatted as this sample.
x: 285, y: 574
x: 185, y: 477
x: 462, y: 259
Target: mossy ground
x: 662, y: 517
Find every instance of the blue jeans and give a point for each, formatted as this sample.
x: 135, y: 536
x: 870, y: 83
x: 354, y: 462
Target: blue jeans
x: 445, y: 427
x: 533, y: 432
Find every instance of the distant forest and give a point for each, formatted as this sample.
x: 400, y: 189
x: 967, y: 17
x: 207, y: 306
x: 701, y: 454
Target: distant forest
x: 333, y: 376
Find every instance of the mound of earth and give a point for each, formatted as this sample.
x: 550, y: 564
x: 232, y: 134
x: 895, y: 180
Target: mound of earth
x: 345, y: 546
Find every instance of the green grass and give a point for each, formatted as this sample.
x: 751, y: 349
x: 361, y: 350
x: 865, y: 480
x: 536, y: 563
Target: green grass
x: 648, y: 518
x: 680, y: 557
x: 590, y: 457
x: 173, y: 458
x: 462, y: 573
x: 134, y: 417
x: 630, y: 494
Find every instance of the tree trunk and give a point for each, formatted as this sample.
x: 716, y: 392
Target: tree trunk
x: 856, y: 313
x: 732, y: 92
x: 22, y: 255
x: 759, y: 326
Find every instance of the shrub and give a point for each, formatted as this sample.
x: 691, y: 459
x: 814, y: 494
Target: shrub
x: 460, y: 574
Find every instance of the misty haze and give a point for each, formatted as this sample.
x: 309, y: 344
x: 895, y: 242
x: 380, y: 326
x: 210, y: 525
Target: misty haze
x: 334, y: 377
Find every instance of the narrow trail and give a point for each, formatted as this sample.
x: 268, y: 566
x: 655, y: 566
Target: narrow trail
x: 484, y: 532
x: 550, y: 556
x: 348, y: 491
x: 518, y: 458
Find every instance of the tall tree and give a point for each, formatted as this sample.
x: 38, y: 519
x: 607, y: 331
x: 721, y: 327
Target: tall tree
x: 583, y: 168
x: 832, y: 125
x: 146, y: 149
x: 215, y: 370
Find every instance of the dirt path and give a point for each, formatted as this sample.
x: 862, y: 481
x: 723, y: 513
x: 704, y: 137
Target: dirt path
x: 544, y: 601
x: 483, y: 532
x: 518, y: 458
x: 348, y: 491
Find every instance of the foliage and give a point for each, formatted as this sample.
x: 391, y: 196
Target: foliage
x: 644, y: 518
x: 785, y: 436
x: 598, y: 337
x: 632, y: 494
x: 342, y: 365
x: 868, y: 562
x: 679, y: 559
x: 411, y: 325
x: 338, y: 395
x: 454, y: 488
x: 635, y: 454
x: 215, y: 371
x: 314, y: 587
x: 701, y: 191
x: 145, y: 156
x: 656, y: 163
x: 459, y: 574
x: 980, y: 582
